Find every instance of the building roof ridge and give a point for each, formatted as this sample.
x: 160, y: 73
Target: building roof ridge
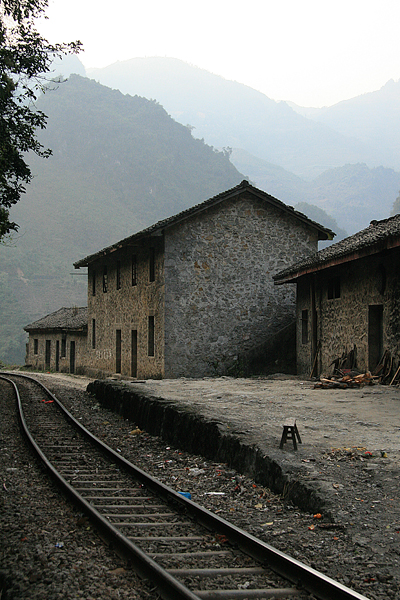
x: 188, y: 212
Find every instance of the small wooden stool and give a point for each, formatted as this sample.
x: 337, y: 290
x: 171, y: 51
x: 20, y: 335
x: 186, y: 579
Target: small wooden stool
x: 290, y: 432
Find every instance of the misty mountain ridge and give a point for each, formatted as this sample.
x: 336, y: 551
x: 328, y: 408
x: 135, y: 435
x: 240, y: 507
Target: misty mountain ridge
x: 228, y: 113
x: 373, y: 118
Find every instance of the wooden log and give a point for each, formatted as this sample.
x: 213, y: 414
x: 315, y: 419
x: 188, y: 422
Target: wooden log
x: 395, y: 375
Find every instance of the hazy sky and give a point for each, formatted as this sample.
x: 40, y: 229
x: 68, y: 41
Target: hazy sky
x: 312, y: 52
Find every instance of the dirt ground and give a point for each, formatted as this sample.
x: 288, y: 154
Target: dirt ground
x: 368, y: 417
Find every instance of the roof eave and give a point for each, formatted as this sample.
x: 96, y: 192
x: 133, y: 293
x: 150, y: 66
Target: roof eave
x: 388, y: 244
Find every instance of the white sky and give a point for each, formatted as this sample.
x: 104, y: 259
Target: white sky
x: 312, y: 52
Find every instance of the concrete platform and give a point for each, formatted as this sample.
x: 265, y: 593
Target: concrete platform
x: 239, y: 421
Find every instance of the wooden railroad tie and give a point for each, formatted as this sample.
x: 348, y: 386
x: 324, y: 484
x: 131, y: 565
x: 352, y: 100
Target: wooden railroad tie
x: 290, y: 432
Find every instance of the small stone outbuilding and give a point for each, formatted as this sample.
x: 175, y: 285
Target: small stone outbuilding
x: 58, y: 341
x: 193, y: 295
x: 348, y: 300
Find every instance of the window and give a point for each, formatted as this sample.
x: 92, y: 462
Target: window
x: 64, y: 346
x: 94, y: 283
x: 118, y: 274
x: 334, y: 288
x: 93, y: 333
x: 134, y: 269
x: 152, y: 265
x: 35, y: 346
x: 304, y: 326
x: 151, y: 336
x: 105, y: 279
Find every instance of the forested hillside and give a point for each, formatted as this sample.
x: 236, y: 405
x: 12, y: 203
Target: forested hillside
x: 228, y: 113
x: 119, y: 164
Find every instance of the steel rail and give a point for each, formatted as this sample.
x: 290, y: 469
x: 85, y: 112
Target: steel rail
x: 303, y: 576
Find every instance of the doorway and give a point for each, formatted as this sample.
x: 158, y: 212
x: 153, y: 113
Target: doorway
x: 47, y: 354
x: 57, y: 355
x: 118, y: 351
x: 134, y: 344
x: 72, y: 357
x: 375, y: 335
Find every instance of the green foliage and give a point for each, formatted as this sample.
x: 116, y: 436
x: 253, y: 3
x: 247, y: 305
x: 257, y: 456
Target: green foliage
x: 25, y: 59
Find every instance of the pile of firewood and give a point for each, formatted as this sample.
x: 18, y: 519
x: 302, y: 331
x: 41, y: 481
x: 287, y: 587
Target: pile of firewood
x: 346, y: 380
x: 345, y: 374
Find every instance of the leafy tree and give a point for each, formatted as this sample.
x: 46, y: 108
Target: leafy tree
x: 25, y: 61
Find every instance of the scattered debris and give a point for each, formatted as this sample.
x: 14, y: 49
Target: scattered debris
x: 187, y: 495
x: 346, y: 380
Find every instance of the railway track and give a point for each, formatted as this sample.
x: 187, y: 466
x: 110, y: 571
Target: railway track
x: 185, y: 550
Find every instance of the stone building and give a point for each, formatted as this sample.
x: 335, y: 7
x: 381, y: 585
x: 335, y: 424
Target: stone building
x: 193, y: 294
x: 348, y: 298
x: 58, y: 341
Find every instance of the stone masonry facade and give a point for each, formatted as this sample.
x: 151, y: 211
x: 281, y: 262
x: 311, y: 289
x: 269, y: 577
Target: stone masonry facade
x: 220, y: 300
x: 126, y: 311
x: 191, y: 296
x: 366, y: 290
x: 348, y: 299
x: 58, y: 342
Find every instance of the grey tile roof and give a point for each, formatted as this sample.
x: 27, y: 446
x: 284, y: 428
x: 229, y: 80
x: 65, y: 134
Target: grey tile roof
x: 73, y: 318
x: 324, y: 233
x: 378, y: 236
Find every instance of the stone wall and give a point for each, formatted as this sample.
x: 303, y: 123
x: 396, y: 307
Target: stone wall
x: 220, y: 300
x: 345, y: 321
x: 134, y: 297
x: 37, y: 360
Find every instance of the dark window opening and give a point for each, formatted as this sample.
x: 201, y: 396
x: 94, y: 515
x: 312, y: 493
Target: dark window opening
x: 304, y: 326
x: 93, y: 333
x: 94, y: 283
x: 375, y: 335
x: 64, y: 346
x: 118, y: 351
x: 35, y: 346
x: 334, y: 288
x: 105, y: 279
x: 152, y: 265
x: 381, y: 279
x: 57, y: 355
x: 134, y: 269
x: 151, y: 337
x: 118, y: 275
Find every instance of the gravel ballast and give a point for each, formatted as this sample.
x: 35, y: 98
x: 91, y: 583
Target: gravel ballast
x: 49, y: 551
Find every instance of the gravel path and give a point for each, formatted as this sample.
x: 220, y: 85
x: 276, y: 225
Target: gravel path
x: 49, y: 551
